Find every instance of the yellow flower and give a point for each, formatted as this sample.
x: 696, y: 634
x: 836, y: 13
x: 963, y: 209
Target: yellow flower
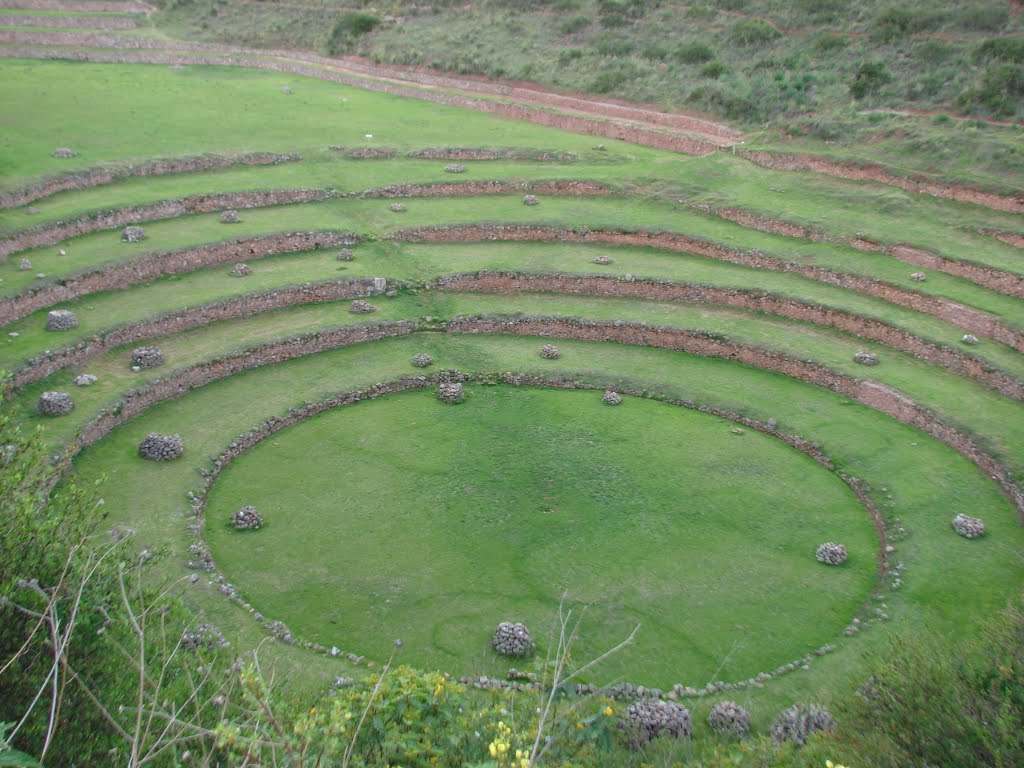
x: 607, y: 711
x: 312, y: 711
x: 579, y: 726
x: 493, y: 750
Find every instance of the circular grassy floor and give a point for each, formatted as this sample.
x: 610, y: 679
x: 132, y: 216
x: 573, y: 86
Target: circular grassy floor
x: 403, y: 517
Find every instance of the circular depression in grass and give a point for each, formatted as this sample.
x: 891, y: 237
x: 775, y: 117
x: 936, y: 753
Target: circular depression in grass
x: 402, y: 517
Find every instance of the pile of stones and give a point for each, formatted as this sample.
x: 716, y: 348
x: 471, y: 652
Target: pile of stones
x: 611, y: 398
x: 147, y: 357
x: 345, y: 254
x: 203, y: 636
x: 85, y: 380
x: 230, y: 217
x: 450, y: 392
x: 969, y: 338
x: 602, y: 259
x: 968, y: 527
x: 133, y: 234
x: 247, y: 518
x: 422, y: 360
x: 512, y: 639
x: 647, y: 719
x: 24, y: 265
x: 796, y: 723
x: 360, y: 307
x: 866, y: 358
x: 831, y: 553
x: 61, y: 320
x: 64, y: 152
x: 455, y: 168
x: 240, y: 270
x: 396, y: 208
x: 918, y: 277
x: 161, y: 447
x: 729, y: 717
x: 529, y: 200
x: 549, y: 352
x: 55, y: 403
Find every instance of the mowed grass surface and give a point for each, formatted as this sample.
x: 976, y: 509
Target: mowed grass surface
x: 403, y: 517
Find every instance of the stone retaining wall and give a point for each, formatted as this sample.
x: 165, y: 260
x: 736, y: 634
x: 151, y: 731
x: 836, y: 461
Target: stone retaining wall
x: 94, y: 177
x: 969, y: 319
x: 170, y: 263
x: 70, y: 22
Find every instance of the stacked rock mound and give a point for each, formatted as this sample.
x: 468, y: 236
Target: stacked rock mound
x: 147, y: 357
x: 85, y: 380
x: 240, y: 270
x: 602, y: 259
x: 203, y: 636
x: 450, y: 392
x: 918, y: 277
x: 396, y: 207
x: 24, y: 265
x: 968, y: 527
x: 969, y: 338
x: 64, y: 152
x: 529, y: 200
x: 161, y: 447
x: 287, y: 90
x: 133, y: 234
x: 230, y: 217
x: 866, y: 358
x: 421, y: 360
x: 549, y: 352
x: 61, y: 320
x: 360, y: 307
x: 55, y: 403
x: 729, y: 717
x: 647, y: 719
x: 455, y: 168
x: 247, y: 518
x: 512, y: 639
x: 345, y: 254
x: 611, y: 398
x: 796, y: 723
x: 831, y: 553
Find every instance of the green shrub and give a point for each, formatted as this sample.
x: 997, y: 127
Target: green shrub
x: 717, y: 100
x: 983, y: 18
x: 609, y: 80
x: 753, y: 32
x: 870, y: 77
x: 1000, y: 92
x: 826, y: 43
x: 574, y: 24
x: 1010, y: 49
x: 655, y: 52
x: 895, y: 23
x: 612, y: 45
x: 347, y: 29
x: 694, y: 53
x: 713, y: 70
x: 570, y: 54
x: 933, y: 51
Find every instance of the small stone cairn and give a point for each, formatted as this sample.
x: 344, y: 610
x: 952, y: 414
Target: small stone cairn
x: 360, y: 307
x: 647, y: 719
x: 161, y: 447
x: 55, y: 403
x: 287, y: 90
x: 550, y: 352
x: 865, y: 358
x: 345, y: 254
x: 240, y: 270
x: 25, y: 265
x: 230, y: 217
x: 968, y: 527
x: 796, y: 723
x: 729, y: 717
x: 450, y: 392
x: 455, y: 168
x: 61, y: 320
x: 970, y: 339
x: 247, y: 519
x: 918, y: 277
x: 64, y: 153
x: 203, y: 636
x: 133, y: 234
x: 396, y: 208
x: 147, y: 357
x: 422, y: 360
x: 85, y: 380
x: 831, y: 553
x: 611, y: 398
x: 603, y: 260
x: 512, y: 639
x: 529, y: 199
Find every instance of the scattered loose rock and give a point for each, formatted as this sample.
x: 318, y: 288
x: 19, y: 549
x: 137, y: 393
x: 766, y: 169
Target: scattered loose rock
x: 550, y: 352
x: 969, y: 338
x: 647, y: 719
x: 918, y: 277
x: 529, y: 200
x: 396, y: 207
x: 55, y: 403
x: 287, y: 90
x: 203, y: 636
x: 240, y: 270
x: 161, y: 447
x: 230, y: 217
x: 85, y: 380
x: 604, y: 260
x: 512, y: 639
x: 345, y: 254
x: 147, y: 357
x: 133, y: 234
x: 360, y: 307
x: 455, y: 168
x: 450, y: 392
x: 866, y: 358
x: 729, y: 717
x: 25, y: 265
x: 422, y: 360
x: 796, y: 723
x: 611, y: 398
x: 247, y: 518
x: 831, y: 553
x: 61, y: 320
x: 968, y: 527
x: 64, y: 152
